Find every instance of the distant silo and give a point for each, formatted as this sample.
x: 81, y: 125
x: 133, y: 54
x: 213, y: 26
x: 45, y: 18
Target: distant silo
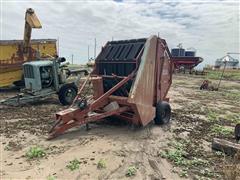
x: 190, y: 53
x: 178, y: 52
x: 227, y: 61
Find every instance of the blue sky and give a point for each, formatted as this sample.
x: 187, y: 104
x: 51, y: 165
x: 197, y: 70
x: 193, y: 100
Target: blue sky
x: 211, y: 27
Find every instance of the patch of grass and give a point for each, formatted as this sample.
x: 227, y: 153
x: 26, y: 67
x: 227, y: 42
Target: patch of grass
x: 198, y: 162
x: 228, y: 74
x: 220, y: 130
x: 176, y: 156
x: 73, y: 165
x: 180, y: 157
x: 101, y: 164
x: 232, y: 117
x: 131, y: 171
x: 35, y: 153
x: 212, y: 115
x: 233, y: 96
x: 181, y: 82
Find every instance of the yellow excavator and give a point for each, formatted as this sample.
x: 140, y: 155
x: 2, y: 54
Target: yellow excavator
x: 13, y: 53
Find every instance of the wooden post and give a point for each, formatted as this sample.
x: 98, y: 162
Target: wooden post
x: 225, y: 146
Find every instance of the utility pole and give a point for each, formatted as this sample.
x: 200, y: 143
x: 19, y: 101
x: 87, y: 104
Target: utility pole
x: 58, y: 46
x: 72, y: 58
x: 225, y: 64
x: 95, y: 47
x: 88, y: 52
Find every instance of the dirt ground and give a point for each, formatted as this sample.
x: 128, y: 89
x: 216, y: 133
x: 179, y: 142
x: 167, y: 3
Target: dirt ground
x: 179, y: 150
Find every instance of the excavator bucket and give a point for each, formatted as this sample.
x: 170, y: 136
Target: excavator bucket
x: 32, y: 19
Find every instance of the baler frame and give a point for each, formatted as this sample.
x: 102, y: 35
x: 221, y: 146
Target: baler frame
x: 85, y: 110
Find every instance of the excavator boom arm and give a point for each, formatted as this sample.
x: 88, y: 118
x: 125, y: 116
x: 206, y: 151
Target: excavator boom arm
x: 31, y: 21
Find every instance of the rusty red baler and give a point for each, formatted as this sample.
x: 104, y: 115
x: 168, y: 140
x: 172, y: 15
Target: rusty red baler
x: 130, y: 80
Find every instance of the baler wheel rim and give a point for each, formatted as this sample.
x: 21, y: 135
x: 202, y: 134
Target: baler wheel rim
x: 64, y: 92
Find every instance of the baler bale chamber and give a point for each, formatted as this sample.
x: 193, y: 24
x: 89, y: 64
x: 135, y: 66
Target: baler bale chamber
x: 130, y: 80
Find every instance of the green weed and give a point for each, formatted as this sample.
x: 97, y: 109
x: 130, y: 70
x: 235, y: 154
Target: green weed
x: 176, y: 156
x: 179, y: 156
x: 212, y: 116
x: 183, y: 173
x: 198, y: 162
x: 35, y: 152
x: 101, y: 164
x: 73, y: 165
x: 232, y: 117
x: 50, y: 177
x: 131, y: 171
x: 7, y: 148
x: 207, y: 173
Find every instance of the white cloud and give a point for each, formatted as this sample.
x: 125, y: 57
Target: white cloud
x: 210, y: 27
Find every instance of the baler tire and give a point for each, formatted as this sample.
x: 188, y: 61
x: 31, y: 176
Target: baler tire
x: 63, y: 92
x: 163, y: 113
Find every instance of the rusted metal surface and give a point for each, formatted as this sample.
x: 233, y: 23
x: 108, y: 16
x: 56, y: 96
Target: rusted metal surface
x: 186, y: 62
x: 142, y: 93
x: 164, y: 69
x: 12, y: 57
x: 15, y: 57
x: 135, y: 74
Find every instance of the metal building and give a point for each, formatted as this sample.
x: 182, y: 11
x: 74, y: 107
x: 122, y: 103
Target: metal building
x: 231, y: 63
